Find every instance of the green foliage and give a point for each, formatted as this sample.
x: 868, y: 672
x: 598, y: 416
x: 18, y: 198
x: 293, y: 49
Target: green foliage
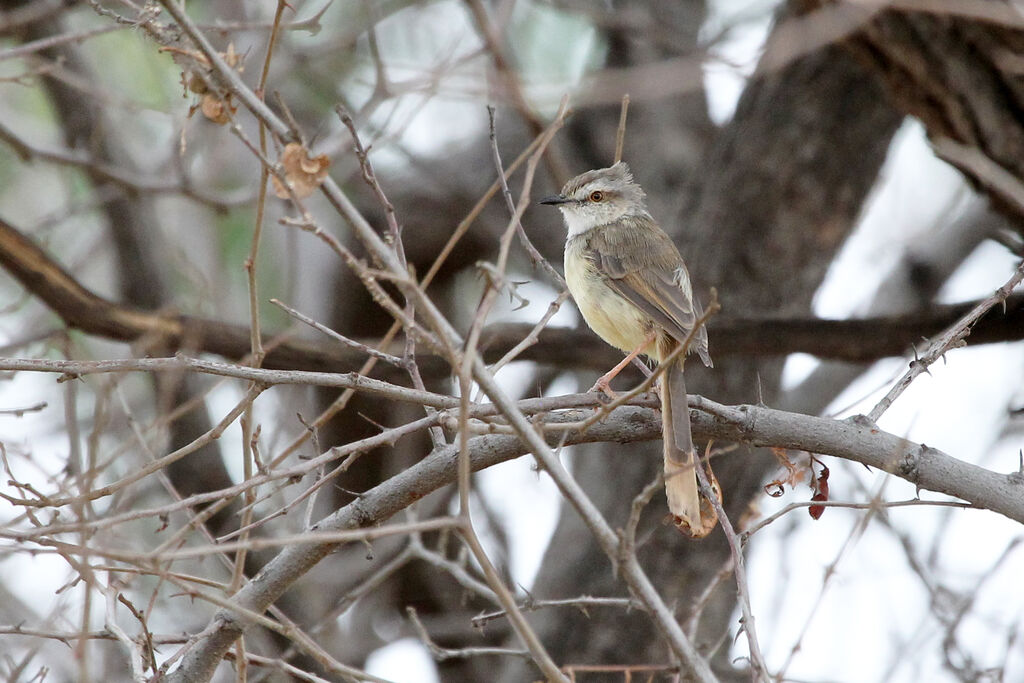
x: 123, y: 57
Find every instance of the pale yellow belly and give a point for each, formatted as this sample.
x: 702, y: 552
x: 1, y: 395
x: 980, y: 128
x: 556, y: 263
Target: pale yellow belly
x: 613, y: 318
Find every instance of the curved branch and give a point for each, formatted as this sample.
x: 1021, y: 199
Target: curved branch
x: 861, y: 340
x: 81, y: 309
x: 856, y: 340
x: 859, y: 440
x: 853, y: 439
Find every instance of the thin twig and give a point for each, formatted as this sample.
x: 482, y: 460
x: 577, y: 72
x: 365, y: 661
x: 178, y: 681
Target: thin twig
x: 856, y: 531
x: 350, y: 380
x: 582, y: 603
x: 534, y: 334
x: 620, y: 133
x: 705, y: 597
x: 442, y: 653
x: 466, y: 369
x: 950, y: 339
x: 350, y: 343
x: 759, y: 670
x: 516, y: 212
x: 636, y: 509
x: 799, y: 505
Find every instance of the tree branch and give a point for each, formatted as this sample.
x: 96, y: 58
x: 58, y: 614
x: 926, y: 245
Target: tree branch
x: 851, y: 340
x: 853, y: 439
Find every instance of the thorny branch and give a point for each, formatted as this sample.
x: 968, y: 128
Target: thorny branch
x: 950, y: 339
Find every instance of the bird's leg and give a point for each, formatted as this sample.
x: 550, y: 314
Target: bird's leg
x: 602, y: 383
x: 644, y: 367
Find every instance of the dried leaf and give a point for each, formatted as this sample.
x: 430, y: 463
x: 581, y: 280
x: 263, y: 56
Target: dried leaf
x: 816, y: 511
x: 302, y: 172
x: 820, y: 487
x: 194, y: 74
x: 193, y: 83
x: 232, y: 58
x: 793, y: 475
x: 708, y: 514
x: 216, y: 109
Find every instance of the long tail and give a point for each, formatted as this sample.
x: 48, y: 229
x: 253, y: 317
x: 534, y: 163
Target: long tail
x: 684, y: 499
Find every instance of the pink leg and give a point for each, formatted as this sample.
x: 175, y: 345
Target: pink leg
x: 602, y: 384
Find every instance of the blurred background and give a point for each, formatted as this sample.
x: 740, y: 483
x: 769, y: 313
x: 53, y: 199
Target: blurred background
x: 795, y: 151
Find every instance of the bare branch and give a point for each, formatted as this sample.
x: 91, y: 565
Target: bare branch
x: 950, y: 339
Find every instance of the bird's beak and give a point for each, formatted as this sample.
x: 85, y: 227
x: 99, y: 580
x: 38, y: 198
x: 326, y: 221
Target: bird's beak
x: 555, y: 200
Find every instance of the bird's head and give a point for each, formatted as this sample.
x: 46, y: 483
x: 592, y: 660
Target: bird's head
x: 598, y: 198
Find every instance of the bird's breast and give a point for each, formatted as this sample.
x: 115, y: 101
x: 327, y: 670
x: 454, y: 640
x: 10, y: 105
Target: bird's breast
x: 614, y: 319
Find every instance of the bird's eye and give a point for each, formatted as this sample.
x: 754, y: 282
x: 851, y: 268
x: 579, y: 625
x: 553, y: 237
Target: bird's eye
x: 596, y: 196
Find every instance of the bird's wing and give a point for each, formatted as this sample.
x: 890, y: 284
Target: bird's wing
x: 656, y: 281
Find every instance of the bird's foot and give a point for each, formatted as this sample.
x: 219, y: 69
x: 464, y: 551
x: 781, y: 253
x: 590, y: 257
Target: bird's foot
x: 603, y: 385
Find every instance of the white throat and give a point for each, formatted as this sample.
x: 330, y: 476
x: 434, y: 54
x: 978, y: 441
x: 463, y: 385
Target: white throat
x: 577, y: 224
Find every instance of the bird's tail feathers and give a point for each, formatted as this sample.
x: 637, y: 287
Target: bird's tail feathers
x: 693, y: 514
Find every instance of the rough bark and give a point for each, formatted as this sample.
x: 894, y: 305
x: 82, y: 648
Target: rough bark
x: 960, y: 75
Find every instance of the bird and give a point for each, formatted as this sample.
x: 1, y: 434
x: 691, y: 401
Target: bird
x: 633, y: 289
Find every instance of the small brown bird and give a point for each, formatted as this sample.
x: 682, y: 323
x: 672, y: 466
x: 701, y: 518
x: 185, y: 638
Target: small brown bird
x: 633, y: 289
